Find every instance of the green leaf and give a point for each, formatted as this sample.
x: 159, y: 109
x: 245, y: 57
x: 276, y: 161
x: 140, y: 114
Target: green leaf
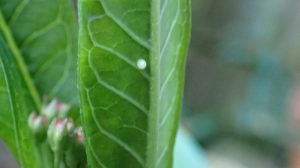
x: 21, y: 104
x: 46, y: 40
x: 130, y: 114
x: 41, y: 37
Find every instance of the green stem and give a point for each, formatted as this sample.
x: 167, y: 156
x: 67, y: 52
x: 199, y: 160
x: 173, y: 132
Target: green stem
x: 21, y: 63
x: 57, y: 159
x: 45, y: 154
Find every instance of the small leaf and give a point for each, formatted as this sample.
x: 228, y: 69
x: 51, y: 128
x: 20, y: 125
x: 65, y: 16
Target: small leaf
x: 131, y: 107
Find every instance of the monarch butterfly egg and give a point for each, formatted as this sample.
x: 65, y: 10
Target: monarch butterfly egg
x: 141, y: 64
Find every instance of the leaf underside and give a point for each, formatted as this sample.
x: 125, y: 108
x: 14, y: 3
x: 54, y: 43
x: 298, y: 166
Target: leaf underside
x: 130, y: 115
x: 40, y: 37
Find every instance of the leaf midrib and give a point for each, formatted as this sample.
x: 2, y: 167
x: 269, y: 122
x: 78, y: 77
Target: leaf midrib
x: 11, y: 43
x: 154, y: 85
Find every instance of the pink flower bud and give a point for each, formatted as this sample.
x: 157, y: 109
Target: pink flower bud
x: 56, y: 109
x: 50, y: 109
x: 70, y: 125
x: 58, y: 133
x: 79, y: 137
x: 62, y: 108
x: 38, y: 125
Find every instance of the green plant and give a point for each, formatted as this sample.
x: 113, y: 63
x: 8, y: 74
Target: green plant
x: 130, y: 77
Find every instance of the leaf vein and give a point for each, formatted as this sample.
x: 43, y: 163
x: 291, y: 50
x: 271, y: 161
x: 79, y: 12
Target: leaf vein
x: 163, y: 9
x: 117, y: 54
x: 165, y: 82
x: 170, y: 32
x: 19, y: 8
x: 163, y: 153
x: 134, y: 36
x: 114, y: 90
x: 66, y: 71
x: 167, y: 114
x: 38, y: 33
x: 112, y: 137
x: 95, y: 156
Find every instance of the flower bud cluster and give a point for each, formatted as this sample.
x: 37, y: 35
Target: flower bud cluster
x: 39, y: 123
x: 59, y: 131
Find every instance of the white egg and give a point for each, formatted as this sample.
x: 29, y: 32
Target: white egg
x: 141, y: 64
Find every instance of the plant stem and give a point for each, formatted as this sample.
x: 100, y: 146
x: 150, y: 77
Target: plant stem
x: 57, y: 159
x: 45, y: 154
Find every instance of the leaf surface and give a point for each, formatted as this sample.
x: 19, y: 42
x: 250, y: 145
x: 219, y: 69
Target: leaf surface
x: 130, y: 114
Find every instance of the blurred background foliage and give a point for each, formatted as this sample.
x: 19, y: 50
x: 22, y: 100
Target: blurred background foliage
x: 242, y: 100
